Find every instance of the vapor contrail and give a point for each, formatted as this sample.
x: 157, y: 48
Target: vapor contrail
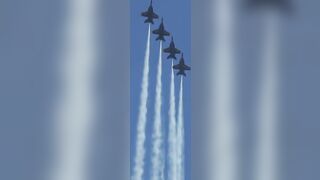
x: 266, y: 159
x: 75, y: 109
x: 157, y: 149
x: 142, y: 117
x: 224, y: 132
x: 180, y: 136
x: 172, y: 131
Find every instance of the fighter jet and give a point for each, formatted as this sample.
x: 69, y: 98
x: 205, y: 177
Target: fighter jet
x: 278, y: 4
x: 149, y: 14
x: 161, y: 32
x: 172, y: 50
x: 181, y: 67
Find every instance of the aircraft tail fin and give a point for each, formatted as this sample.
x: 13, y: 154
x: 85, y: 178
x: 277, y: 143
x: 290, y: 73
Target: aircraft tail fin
x: 161, y: 38
x: 148, y: 20
x: 181, y: 73
x: 171, y: 56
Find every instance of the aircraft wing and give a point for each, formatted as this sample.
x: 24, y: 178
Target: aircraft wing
x: 167, y: 50
x: 176, y: 66
x: 156, y: 31
x: 166, y: 33
x: 155, y: 16
x: 145, y: 14
x: 177, y: 51
x: 186, y: 67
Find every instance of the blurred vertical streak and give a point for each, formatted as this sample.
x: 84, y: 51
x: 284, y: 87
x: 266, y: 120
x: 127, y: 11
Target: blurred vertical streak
x: 298, y: 73
x: 223, y: 144
x: 76, y: 107
x: 266, y: 167
x: 214, y: 125
x: 110, y: 156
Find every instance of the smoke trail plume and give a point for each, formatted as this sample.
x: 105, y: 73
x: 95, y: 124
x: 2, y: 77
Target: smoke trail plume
x: 172, y: 131
x: 142, y: 117
x: 157, y: 149
x: 266, y: 163
x: 180, y: 136
x: 224, y: 142
x: 75, y: 109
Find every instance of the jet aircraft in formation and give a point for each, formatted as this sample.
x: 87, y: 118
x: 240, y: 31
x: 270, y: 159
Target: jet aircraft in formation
x: 172, y: 50
x: 162, y: 32
x: 182, y: 67
x: 149, y: 14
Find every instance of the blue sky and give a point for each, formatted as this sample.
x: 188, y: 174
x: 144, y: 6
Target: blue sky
x: 177, y: 19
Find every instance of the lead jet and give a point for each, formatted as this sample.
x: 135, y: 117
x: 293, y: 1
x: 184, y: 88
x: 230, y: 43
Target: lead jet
x: 149, y: 14
x: 181, y: 67
x: 172, y: 50
x: 278, y: 4
x: 161, y: 32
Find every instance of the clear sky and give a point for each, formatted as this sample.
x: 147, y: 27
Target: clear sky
x: 177, y: 20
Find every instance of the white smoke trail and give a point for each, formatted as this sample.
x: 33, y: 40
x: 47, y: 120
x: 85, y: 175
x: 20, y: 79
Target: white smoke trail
x: 224, y: 132
x: 157, y: 149
x: 172, y: 131
x: 180, y: 136
x: 142, y: 117
x: 75, y: 109
x: 266, y: 159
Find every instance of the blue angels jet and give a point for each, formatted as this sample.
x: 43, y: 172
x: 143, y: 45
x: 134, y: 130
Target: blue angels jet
x: 181, y: 67
x: 161, y: 32
x: 172, y: 50
x: 278, y: 4
x: 150, y: 14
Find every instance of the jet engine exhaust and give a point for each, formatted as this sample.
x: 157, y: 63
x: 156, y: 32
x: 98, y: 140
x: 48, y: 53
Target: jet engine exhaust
x: 142, y: 117
x: 180, y: 135
x: 157, y: 137
x: 172, y: 131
